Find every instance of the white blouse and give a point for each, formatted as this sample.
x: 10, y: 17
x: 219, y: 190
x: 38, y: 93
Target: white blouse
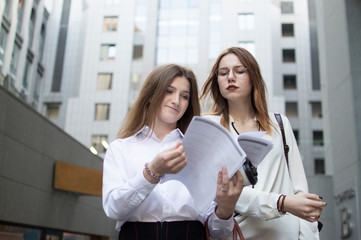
x: 128, y: 196
x: 259, y: 217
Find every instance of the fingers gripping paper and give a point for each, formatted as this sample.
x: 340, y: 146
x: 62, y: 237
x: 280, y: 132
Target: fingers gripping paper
x: 209, y: 146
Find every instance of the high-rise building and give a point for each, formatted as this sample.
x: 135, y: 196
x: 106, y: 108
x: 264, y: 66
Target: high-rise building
x: 98, y: 54
x: 22, y: 40
x: 103, y: 51
x: 339, y: 24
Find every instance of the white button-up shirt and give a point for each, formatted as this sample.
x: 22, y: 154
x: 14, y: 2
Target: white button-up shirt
x: 128, y: 196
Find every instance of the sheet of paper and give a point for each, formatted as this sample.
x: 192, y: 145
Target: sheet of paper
x: 255, y: 146
x: 209, y: 146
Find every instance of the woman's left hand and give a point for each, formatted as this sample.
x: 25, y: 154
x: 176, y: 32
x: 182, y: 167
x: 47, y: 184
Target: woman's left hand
x: 228, y: 192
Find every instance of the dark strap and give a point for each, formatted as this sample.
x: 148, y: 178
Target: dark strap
x: 285, y: 146
x: 286, y: 150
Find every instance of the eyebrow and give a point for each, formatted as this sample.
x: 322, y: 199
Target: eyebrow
x: 232, y: 67
x: 185, y: 91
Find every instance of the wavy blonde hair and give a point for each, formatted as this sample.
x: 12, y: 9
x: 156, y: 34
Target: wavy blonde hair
x: 258, y: 93
x: 143, y: 112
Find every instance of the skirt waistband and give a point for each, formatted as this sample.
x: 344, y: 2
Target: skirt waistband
x: 175, y: 230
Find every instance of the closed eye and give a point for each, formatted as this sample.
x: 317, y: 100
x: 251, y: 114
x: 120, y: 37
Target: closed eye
x: 223, y: 73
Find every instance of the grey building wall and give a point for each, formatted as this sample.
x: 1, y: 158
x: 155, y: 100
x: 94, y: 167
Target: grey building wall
x: 323, y: 186
x: 29, y: 146
x: 339, y: 24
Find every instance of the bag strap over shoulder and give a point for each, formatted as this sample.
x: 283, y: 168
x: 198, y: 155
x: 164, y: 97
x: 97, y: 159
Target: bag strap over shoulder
x: 285, y: 146
x: 286, y: 150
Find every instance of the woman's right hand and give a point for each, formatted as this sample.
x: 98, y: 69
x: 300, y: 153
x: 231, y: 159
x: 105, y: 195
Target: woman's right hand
x: 171, y: 160
x: 304, y: 205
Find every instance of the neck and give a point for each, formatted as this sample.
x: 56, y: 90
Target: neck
x: 241, y: 111
x: 161, y: 130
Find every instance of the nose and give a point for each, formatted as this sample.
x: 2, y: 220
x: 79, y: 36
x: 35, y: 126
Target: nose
x: 175, y: 99
x: 231, y: 77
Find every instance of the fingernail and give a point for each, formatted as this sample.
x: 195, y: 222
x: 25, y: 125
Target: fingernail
x: 320, y: 197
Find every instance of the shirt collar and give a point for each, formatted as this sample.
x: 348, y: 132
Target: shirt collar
x: 147, y: 130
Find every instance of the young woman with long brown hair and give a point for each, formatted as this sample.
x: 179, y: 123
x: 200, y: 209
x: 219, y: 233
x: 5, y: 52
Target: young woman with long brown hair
x: 279, y: 206
x: 149, y: 146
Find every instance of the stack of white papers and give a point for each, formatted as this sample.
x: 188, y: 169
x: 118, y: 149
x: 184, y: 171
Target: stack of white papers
x: 209, y: 146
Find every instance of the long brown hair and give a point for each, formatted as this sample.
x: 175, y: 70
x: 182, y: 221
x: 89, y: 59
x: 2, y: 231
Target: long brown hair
x: 258, y: 94
x: 143, y: 111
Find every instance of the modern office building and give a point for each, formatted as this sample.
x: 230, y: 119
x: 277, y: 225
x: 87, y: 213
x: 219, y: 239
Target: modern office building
x: 339, y: 24
x: 22, y: 39
x: 103, y: 51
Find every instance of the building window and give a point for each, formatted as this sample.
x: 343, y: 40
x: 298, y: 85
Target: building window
x: 137, y: 52
x: 245, y: 21
x: 289, y: 82
x: 287, y: 30
x: 286, y: 7
x: 289, y: 55
x: 319, y: 166
x: 7, y: 8
x: 104, y: 81
x: 291, y: 109
x: 107, y: 52
x: 41, y: 42
x: 36, y: 90
x: 316, y: 109
x: 249, y: 45
x: 100, y: 143
x: 135, y: 85
x: 295, y: 133
x: 14, y: 60
x: 3, y: 38
x: 27, y: 71
x: 215, y: 29
x: 52, y: 110
x: 317, y: 138
x: 102, y: 111
x: 31, y: 27
x: 20, y: 16
x: 110, y: 24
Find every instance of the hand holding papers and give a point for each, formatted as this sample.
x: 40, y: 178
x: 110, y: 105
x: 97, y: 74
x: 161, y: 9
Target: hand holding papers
x: 209, y: 146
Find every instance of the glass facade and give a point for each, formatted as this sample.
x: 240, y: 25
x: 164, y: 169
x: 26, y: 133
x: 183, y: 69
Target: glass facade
x: 178, y: 30
x: 215, y: 29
